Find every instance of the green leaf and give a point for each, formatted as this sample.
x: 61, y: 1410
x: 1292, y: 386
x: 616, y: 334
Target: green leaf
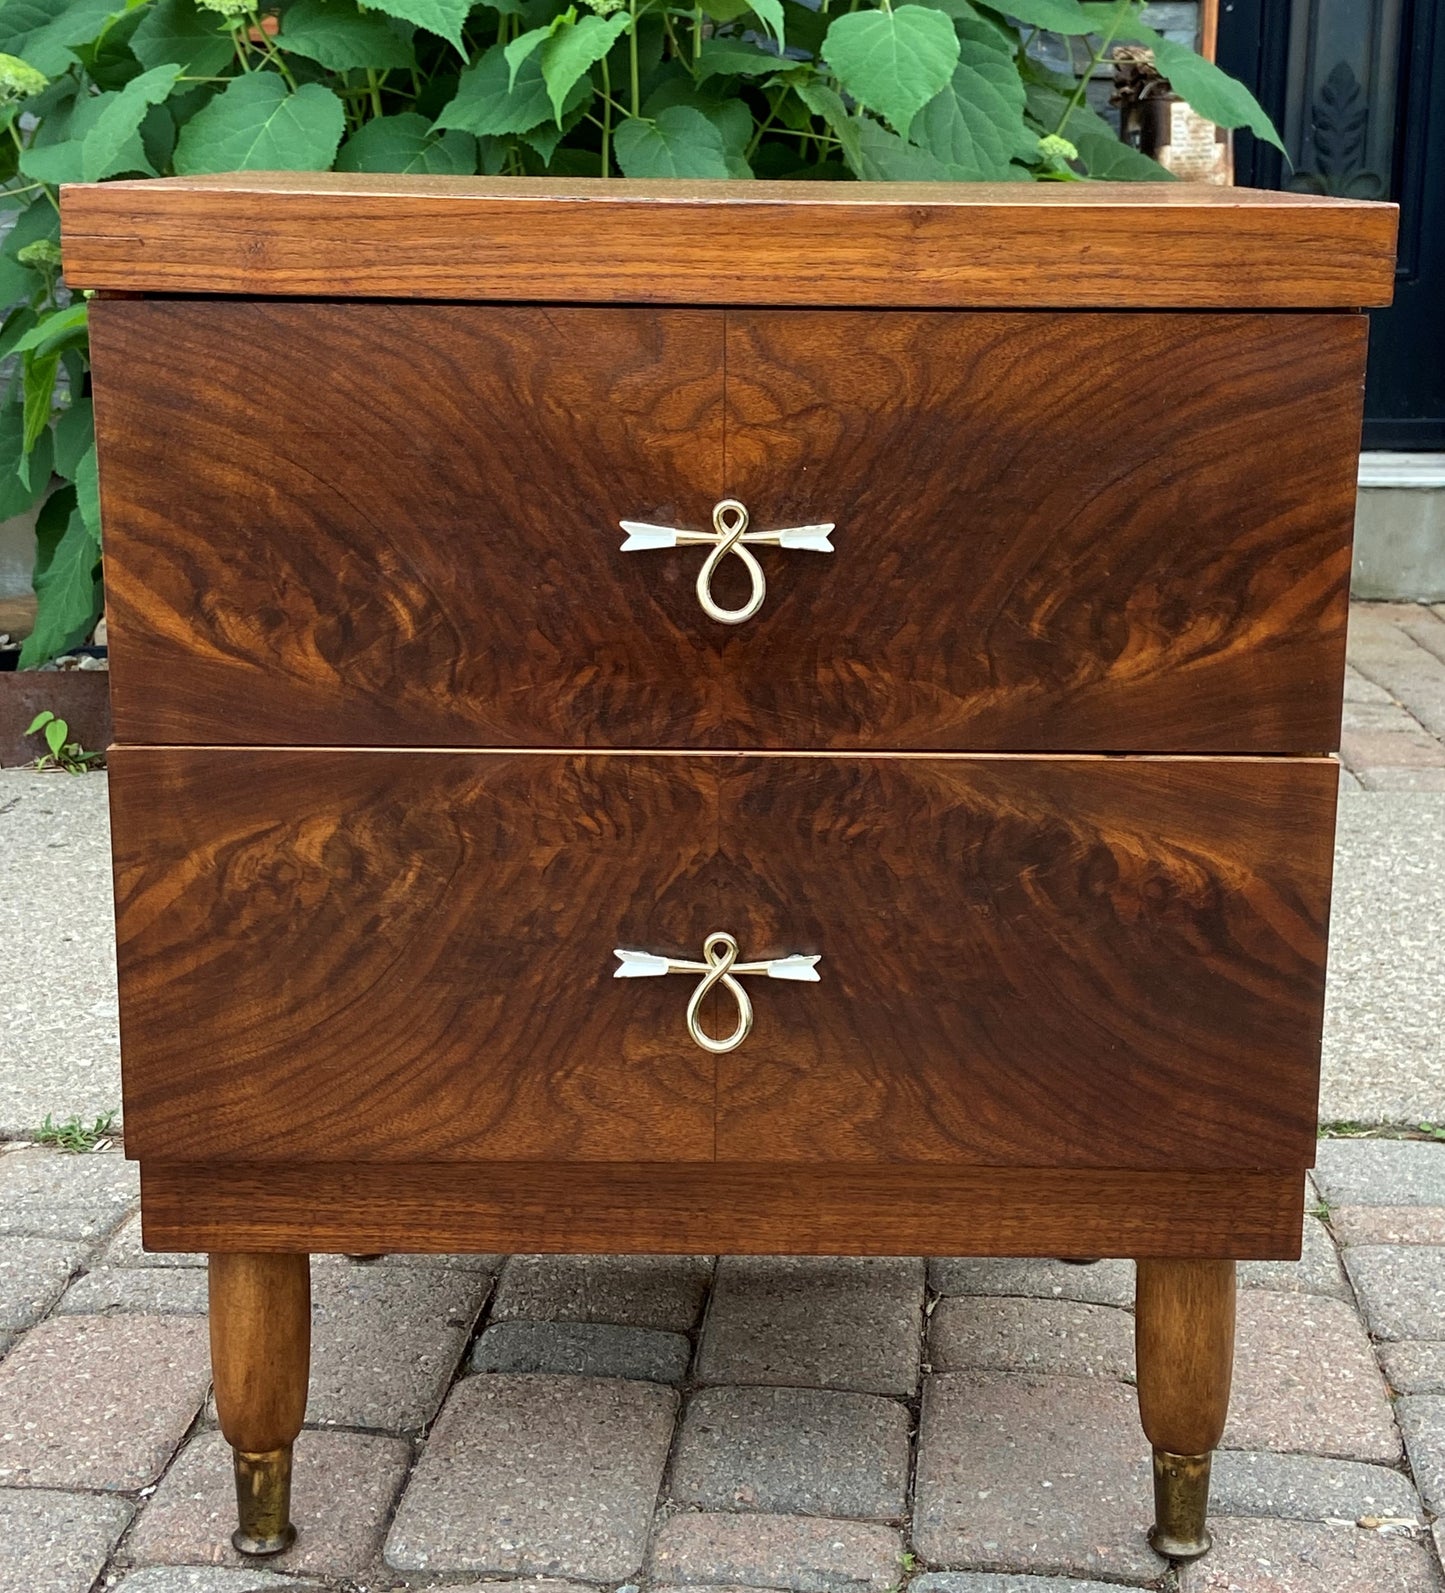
x: 884, y: 157
x: 180, y: 31
x: 893, y: 62
x: 63, y: 159
x: 806, y: 27
x: 734, y: 121
x: 825, y: 102
x: 256, y: 125
x: 975, y: 127
x: 50, y: 523
x: 574, y: 50
x: 55, y: 163
x: 986, y: 33
x: 545, y: 138
x: 736, y: 57
x: 954, y: 8
x: 55, y: 733
x: 69, y: 594
x: 1056, y: 16
x: 158, y: 135
x: 18, y: 491
x: 338, y: 35
x: 770, y: 14
x: 726, y: 10
x: 442, y: 17
x: 17, y: 324
x: 484, y: 104
x: 1216, y: 96
x: 34, y: 224
x: 40, y: 32
x: 522, y: 46
x: 108, y: 59
x: 39, y: 722
x: 37, y: 381
x: 1105, y: 155
x: 406, y: 143
x: 115, y: 130
x: 87, y: 492
x: 1107, y: 158
x: 73, y: 435
x: 57, y: 328
x: 678, y: 142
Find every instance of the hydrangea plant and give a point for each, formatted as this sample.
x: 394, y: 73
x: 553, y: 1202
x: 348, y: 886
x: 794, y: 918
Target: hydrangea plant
x: 950, y: 90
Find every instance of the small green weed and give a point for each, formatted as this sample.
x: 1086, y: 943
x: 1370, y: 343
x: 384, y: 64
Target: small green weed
x: 1348, y: 1129
x: 64, y: 753
x: 72, y: 1134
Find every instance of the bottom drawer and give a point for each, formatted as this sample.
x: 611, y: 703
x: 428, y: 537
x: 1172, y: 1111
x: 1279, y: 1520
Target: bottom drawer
x: 364, y: 956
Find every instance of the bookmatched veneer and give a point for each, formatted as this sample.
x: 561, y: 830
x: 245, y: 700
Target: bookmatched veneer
x: 1020, y: 731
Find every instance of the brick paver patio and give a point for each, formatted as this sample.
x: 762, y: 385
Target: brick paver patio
x: 851, y: 1426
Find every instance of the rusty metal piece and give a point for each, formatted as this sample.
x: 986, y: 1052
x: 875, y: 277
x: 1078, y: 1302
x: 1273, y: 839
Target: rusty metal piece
x: 263, y: 1502
x: 1181, y: 1505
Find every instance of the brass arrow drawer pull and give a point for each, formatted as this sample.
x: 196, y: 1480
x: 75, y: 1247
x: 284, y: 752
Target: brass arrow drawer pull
x: 729, y: 535
x: 720, y: 966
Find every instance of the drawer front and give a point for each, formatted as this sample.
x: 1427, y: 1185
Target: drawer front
x: 391, y: 525
x: 392, y: 956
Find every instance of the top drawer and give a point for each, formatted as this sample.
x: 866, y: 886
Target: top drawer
x: 385, y: 524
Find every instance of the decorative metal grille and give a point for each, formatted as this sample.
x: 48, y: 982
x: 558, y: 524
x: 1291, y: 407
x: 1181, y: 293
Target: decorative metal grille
x: 1341, y: 96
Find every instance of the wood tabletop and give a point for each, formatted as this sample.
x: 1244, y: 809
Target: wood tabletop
x: 977, y: 245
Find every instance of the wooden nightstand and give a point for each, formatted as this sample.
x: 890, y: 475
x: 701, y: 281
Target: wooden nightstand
x: 953, y: 708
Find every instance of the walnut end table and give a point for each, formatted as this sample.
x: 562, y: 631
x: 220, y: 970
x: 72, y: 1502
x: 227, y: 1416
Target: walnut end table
x: 724, y: 717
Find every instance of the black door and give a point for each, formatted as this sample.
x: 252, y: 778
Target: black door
x: 1357, y: 89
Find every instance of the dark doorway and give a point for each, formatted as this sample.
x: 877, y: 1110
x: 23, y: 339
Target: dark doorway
x: 1357, y: 89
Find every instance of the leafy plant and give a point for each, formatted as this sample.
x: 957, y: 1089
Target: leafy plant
x: 810, y: 89
x: 64, y: 753
x: 72, y: 1134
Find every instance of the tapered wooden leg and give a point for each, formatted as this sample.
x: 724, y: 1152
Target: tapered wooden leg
x: 260, y: 1361
x: 1184, y: 1347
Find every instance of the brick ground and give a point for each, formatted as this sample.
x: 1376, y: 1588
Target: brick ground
x: 685, y: 1423
x: 455, y: 1443
x: 1394, y: 722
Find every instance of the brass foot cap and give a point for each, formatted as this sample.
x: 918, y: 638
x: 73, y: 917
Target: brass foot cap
x: 263, y: 1501
x: 246, y: 1544
x: 1179, y: 1548
x: 1181, y: 1505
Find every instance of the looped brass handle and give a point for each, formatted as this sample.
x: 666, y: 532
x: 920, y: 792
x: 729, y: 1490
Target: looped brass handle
x: 719, y: 967
x: 729, y: 535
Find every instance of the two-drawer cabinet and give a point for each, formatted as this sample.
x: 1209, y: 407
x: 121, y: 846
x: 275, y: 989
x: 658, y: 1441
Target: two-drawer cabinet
x: 716, y: 718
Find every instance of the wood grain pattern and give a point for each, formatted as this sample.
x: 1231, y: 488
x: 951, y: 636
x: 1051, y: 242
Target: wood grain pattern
x: 260, y: 1312
x: 1057, y: 961
x: 1184, y: 1350
x: 808, y: 1210
x: 379, y: 956
x: 342, y: 955
x: 875, y: 244
x: 397, y: 524
x: 1151, y: 554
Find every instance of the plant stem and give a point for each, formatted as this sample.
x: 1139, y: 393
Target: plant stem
x: 1076, y: 99
x: 606, y: 120
x: 374, y: 84
x: 632, y: 59
x: 271, y: 52
x: 762, y: 128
